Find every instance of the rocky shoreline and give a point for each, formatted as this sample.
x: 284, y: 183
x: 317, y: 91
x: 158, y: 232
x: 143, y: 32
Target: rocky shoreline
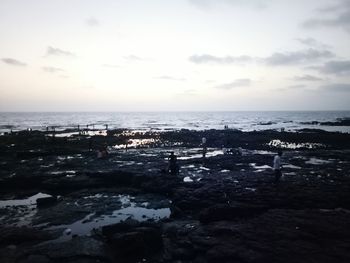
x: 59, y: 202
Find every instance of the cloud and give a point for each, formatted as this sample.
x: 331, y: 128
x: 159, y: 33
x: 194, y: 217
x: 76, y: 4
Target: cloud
x: 296, y: 86
x: 51, y: 51
x: 52, y: 69
x: 92, y: 21
x: 311, y: 42
x: 276, y: 59
x: 133, y: 58
x: 235, y: 84
x: 206, y: 4
x: 13, y: 62
x: 307, y: 41
x: 333, y: 8
x: 188, y: 93
x: 337, y: 67
x: 297, y: 57
x: 205, y: 58
x: 337, y: 87
x: 340, y: 19
x: 170, y: 78
x: 110, y: 66
x: 307, y: 78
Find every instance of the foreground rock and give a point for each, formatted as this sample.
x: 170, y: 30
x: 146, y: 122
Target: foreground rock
x: 79, y: 249
x: 224, y: 208
x: 22, y: 235
x: 46, y: 201
x: 275, y: 236
x: 229, y: 212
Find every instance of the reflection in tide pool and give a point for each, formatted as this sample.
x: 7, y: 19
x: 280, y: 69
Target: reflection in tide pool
x: 316, y: 161
x: 85, y: 132
x: 260, y: 166
x: 93, y: 221
x: 292, y: 145
x: 198, y: 154
x: 187, y: 179
x: 291, y: 166
x: 137, y: 143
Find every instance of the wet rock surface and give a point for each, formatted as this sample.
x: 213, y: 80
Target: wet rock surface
x: 59, y: 202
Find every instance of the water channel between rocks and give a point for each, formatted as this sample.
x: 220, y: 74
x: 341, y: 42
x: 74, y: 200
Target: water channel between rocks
x: 101, y: 209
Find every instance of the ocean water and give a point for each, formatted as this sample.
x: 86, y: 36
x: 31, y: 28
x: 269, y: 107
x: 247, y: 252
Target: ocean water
x: 245, y: 121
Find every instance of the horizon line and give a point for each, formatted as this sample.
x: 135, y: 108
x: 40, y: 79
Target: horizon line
x: 170, y: 111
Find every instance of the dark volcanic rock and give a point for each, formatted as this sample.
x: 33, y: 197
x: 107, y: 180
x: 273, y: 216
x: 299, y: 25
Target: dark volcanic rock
x: 78, y: 248
x: 46, y: 201
x: 20, y: 235
x: 132, y: 241
x: 140, y: 242
x: 229, y: 212
x: 124, y: 226
x: 274, y: 236
x: 36, y: 259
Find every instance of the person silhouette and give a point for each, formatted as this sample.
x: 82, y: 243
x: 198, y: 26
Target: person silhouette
x: 277, y: 166
x: 204, y: 145
x: 172, y: 167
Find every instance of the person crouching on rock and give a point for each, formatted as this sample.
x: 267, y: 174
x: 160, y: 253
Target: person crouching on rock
x: 172, y: 166
x: 277, y: 166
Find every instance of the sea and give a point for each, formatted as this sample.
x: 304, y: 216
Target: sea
x: 164, y: 121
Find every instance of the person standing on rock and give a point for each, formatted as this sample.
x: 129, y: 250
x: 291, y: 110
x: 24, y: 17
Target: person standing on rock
x: 90, y: 143
x: 204, y: 145
x: 172, y: 167
x: 277, y: 166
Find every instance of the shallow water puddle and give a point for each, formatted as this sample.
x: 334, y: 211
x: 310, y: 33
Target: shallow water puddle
x: 20, y: 212
x: 291, y: 166
x: 262, y: 152
x: 23, y: 202
x: 76, y: 133
x: 260, y: 167
x: 200, y: 155
x: 188, y: 166
x: 316, y: 161
x: 187, y: 179
x: 289, y: 145
x: 290, y: 173
x: 68, y: 173
x: 136, y: 143
x: 130, y: 209
x: 250, y: 189
x: 192, y: 177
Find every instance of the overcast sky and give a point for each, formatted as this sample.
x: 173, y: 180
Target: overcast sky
x: 154, y: 55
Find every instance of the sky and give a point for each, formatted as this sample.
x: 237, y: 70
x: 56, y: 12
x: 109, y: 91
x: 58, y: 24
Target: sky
x: 183, y: 55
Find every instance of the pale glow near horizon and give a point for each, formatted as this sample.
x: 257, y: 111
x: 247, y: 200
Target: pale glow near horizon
x: 174, y: 55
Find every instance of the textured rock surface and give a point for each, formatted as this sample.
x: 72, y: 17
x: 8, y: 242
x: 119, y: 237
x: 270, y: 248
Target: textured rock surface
x: 228, y: 210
